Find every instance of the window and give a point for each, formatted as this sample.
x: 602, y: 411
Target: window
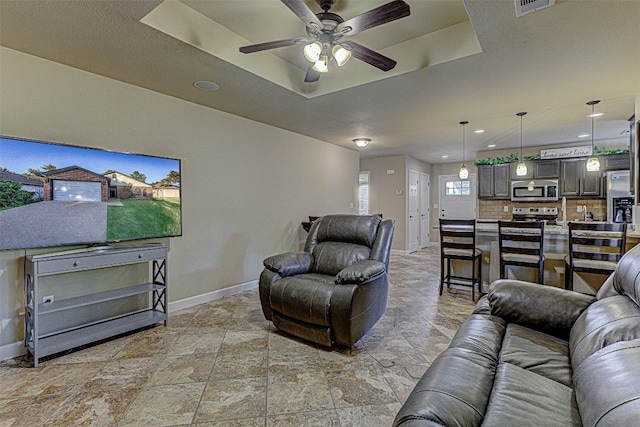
x: 363, y: 192
x: 458, y: 188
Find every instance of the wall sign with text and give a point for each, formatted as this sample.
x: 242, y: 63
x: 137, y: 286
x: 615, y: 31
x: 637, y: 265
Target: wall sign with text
x: 565, y: 153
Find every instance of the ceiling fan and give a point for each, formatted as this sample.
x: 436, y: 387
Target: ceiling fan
x: 324, y: 33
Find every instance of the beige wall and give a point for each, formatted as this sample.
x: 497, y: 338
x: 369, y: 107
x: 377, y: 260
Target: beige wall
x: 384, y: 188
x: 246, y: 186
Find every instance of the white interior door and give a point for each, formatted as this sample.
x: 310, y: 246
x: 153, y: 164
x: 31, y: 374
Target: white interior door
x: 424, y: 210
x: 414, y: 211
x: 456, y: 197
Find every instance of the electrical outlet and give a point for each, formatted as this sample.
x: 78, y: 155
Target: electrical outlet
x: 48, y: 299
x: 505, y: 208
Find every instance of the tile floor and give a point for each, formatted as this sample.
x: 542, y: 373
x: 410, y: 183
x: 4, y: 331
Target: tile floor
x: 222, y: 364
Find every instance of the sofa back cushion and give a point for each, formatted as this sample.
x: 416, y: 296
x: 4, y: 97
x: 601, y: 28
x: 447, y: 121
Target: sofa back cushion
x: 626, y: 279
x: 603, y: 323
x: 606, y: 386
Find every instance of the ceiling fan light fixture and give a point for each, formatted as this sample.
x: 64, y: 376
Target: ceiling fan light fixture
x: 341, y: 55
x: 312, y: 51
x: 322, y: 64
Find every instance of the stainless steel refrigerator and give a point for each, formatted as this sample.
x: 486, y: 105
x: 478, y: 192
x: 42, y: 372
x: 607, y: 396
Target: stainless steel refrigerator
x: 620, y: 201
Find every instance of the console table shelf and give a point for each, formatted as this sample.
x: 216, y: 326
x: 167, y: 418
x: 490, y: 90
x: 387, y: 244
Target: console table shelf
x: 46, y: 332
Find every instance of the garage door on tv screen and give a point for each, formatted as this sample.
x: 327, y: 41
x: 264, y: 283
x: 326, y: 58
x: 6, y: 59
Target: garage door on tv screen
x: 55, y: 195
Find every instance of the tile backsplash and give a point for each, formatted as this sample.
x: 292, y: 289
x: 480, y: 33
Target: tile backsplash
x: 494, y: 209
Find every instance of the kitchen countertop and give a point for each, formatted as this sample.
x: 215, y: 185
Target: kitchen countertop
x: 491, y: 225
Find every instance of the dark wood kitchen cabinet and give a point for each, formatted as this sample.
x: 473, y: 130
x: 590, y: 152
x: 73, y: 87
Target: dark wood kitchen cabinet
x: 537, y: 169
x: 576, y: 181
x: 493, y: 181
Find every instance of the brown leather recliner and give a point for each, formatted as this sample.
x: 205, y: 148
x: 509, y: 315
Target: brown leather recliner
x: 335, y: 290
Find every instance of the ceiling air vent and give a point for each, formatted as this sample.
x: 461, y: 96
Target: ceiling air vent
x: 525, y: 6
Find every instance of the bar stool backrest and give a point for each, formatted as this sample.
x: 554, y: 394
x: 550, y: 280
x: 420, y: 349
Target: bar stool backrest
x: 457, y: 238
x: 597, y: 241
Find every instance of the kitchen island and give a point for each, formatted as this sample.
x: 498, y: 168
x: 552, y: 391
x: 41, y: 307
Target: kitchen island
x: 556, y: 240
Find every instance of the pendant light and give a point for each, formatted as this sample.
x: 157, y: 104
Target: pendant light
x: 521, y: 168
x: 593, y: 164
x: 464, y: 171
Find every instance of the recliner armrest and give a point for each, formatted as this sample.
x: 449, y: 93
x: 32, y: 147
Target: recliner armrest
x: 543, y: 308
x: 360, y: 272
x: 289, y: 263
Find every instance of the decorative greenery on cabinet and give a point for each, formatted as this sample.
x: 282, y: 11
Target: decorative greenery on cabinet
x: 514, y: 157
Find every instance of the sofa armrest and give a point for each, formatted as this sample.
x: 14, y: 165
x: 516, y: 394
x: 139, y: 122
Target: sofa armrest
x: 360, y: 272
x: 543, y: 308
x: 289, y: 263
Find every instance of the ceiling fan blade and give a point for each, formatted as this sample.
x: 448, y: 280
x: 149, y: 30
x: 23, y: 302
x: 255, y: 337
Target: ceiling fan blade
x: 380, y: 15
x: 312, y: 75
x: 305, y: 14
x: 272, y: 45
x: 369, y: 56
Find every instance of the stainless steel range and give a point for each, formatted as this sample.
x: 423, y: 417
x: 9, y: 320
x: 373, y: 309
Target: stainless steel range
x: 536, y: 214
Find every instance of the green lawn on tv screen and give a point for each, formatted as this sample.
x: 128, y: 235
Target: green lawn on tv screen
x: 139, y: 218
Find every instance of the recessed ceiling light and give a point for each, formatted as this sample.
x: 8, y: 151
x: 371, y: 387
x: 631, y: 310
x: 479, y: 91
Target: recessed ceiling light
x: 478, y: 131
x: 445, y: 156
x: 206, y: 85
x: 584, y: 135
x: 491, y: 146
x: 595, y: 115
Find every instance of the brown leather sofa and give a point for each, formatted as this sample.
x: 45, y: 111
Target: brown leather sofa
x: 534, y: 355
x: 335, y: 290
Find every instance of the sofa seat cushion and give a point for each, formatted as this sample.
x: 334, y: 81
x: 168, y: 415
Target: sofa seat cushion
x: 605, y: 322
x: 537, y: 352
x: 305, y: 297
x: 521, y: 397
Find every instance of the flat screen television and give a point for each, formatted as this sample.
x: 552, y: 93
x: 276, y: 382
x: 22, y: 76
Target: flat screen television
x: 55, y: 194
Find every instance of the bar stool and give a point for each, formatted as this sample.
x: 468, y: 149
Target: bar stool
x: 458, y: 242
x: 521, y: 244
x: 594, y: 248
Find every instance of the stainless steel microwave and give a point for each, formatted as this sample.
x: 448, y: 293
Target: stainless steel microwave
x: 534, y: 190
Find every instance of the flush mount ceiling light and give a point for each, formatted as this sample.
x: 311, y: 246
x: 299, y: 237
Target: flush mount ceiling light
x: 491, y: 146
x: 521, y: 169
x: 362, y: 142
x: 464, y: 171
x: 593, y: 163
x: 479, y: 131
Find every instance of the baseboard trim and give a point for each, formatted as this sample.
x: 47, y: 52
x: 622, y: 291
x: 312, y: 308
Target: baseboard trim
x: 211, y: 296
x: 13, y: 350
x: 399, y: 252
x: 16, y: 349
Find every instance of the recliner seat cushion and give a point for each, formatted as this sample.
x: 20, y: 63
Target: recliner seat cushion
x: 305, y: 297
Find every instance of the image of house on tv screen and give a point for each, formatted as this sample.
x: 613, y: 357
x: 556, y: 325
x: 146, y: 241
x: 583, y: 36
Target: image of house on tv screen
x: 56, y: 195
